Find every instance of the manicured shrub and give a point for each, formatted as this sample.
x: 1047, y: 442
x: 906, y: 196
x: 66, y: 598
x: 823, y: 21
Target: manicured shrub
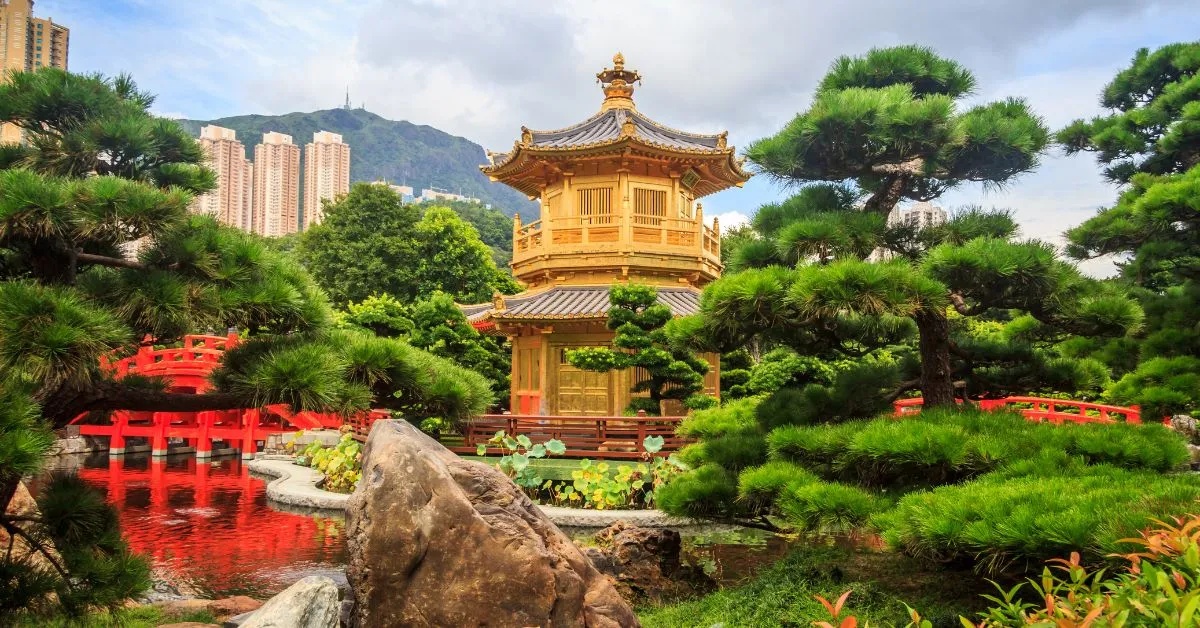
x: 856, y: 392
x: 708, y: 491
x: 1160, y: 586
x: 736, y: 451
x: 1161, y: 386
x: 1132, y: 447
x: 814, y: 447
x: 1003, y: 522
x: 826, y: 507
x: 885, y: 453
x: 734, y: 417
x: 758, y: 487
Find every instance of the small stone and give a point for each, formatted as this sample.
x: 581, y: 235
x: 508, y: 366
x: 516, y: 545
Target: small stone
x: 310, y: 603
x: 644, y: 563
x: 189, y: 624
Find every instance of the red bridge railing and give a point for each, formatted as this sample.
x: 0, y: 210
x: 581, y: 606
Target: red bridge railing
x: 1055, y: 411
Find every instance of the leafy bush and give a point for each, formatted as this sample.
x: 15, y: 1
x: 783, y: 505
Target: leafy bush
x: 341, y: 464
x: 1160, y: 586
x: 516, y: 454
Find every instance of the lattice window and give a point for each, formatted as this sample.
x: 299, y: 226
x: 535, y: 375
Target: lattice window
x: 595, y: 206
x: 649, y: 206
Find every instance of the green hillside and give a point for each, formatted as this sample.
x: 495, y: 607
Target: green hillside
x: 397, y: 151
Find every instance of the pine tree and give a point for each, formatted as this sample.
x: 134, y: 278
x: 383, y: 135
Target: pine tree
x: 638, y: 319
x: 98, y: 177
x: 1150, y: 142
x: 888, y: 124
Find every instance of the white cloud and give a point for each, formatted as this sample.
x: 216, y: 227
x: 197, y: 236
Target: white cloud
x: 483, y: 68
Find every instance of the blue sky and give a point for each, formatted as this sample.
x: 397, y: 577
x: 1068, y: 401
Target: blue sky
x: 482, y: 69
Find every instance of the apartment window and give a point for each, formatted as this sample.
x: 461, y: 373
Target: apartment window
x: 595, y: 206
x: 649, y: 206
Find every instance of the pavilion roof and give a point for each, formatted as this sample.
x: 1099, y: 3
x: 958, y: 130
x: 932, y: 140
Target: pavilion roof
x: 571, y: 302
x: 617, y: 128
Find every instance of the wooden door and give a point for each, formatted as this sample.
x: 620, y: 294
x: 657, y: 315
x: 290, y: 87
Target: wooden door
x: 582, y: 393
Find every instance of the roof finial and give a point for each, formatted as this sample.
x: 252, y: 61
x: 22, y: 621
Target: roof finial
x: 618, y: 84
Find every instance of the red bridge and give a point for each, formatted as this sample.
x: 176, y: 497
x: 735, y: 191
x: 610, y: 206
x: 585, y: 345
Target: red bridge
x: 186, y: 369
x: 1055, y: 411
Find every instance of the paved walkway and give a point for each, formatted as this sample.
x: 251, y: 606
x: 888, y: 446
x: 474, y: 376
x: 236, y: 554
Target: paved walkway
x: 297, y: 486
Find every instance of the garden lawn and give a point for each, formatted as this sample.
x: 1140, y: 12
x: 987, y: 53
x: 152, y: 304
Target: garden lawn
x: 784, y: 594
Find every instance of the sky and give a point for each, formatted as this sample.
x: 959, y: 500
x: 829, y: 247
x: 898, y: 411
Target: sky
x: 482, y: 69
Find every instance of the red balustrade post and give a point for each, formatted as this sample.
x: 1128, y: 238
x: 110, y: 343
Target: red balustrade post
x: 158, y: 441
x: 203, y: 435
x: 116, y: 442
x: 249, y: 441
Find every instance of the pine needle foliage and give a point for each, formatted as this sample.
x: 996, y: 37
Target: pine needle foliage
x: 99, y: 252
x: 641, y: 343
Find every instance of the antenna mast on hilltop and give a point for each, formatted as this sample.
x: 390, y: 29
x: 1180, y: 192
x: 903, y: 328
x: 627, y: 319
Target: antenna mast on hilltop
x: 347, y: 105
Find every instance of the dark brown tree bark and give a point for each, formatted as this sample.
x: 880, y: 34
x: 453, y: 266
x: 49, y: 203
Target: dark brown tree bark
x: 64, y: 405
x: 937, y: 387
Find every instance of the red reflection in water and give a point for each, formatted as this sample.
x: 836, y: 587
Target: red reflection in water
x: 209, y: 525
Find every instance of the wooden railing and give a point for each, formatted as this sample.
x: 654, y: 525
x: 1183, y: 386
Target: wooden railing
x: 618, y: 437
x: 1055, y: 411
x: 616, y: 232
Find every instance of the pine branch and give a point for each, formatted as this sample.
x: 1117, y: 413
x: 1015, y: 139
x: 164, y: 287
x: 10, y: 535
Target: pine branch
x: 111, y: 262
x: 15, y: 530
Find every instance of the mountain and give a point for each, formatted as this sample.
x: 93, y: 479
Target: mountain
x: 399, y: 152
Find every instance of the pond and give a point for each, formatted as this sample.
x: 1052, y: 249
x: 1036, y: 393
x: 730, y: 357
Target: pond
x: 210, y: 528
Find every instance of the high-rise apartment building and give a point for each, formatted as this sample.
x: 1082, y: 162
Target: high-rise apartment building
x: 326, y: 173
x: 276, y: 185
x: 26, y: 44
x: 230, y: 202
x: 920, y: 215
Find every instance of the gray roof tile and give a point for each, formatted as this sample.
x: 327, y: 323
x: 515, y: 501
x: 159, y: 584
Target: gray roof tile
x: 577, y: 302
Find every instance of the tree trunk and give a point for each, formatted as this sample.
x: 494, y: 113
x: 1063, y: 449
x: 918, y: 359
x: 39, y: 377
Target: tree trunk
x: 937, y: 387
x: 63, y: 405
x: 884, y: 200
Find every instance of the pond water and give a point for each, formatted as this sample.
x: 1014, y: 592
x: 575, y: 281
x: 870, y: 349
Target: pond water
x: 209, y: 527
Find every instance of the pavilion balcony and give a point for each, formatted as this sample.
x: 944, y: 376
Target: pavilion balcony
x: 570, y: 236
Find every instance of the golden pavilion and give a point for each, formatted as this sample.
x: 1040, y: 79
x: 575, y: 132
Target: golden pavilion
x: 618, y: 196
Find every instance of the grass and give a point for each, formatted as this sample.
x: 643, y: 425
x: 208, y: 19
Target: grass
x: 783, y: 594
x: 133, y: 617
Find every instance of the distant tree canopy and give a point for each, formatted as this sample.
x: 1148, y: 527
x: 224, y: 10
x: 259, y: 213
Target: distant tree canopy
x: 437, y: 325
x: 1151, y: 143
x: 371, y: 242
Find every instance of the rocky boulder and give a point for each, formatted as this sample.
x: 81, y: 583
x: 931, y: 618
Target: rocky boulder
x: 435, y: 540
x: 310, y: 603
x: 644, y: 563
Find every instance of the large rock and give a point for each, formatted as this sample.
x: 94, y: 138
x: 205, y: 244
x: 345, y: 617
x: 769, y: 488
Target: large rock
x: 644, y: 563
x: 310, y: 603
x: 436, y: 540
